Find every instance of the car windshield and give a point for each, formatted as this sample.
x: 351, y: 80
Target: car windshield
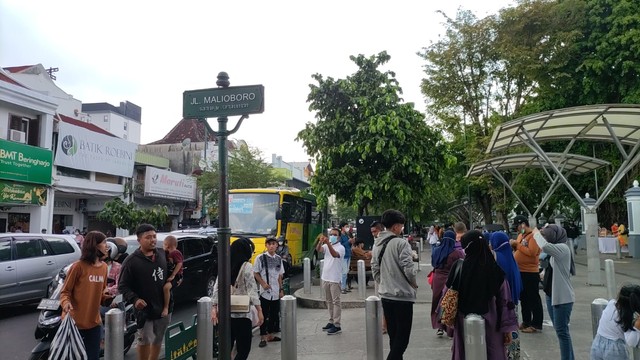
x: 253, y: 213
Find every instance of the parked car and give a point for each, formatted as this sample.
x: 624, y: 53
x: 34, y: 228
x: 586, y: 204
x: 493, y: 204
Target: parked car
x: 200, y: 266
x: 29, y: 263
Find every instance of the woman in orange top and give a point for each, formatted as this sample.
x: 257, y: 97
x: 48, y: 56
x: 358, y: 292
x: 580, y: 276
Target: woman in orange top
x: 84, y: 290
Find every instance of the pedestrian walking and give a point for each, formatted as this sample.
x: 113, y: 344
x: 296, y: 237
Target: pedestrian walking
x: 393, y: 269
x: 444, y: 254
x: 142, y: 278
x: 269, y: 270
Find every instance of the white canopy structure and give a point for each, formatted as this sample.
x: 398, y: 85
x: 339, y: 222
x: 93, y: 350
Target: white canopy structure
x: 617, y: 123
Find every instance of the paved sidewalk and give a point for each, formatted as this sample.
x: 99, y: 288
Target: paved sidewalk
x: 313, y: 343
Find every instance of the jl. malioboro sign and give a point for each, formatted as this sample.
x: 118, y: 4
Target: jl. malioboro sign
x: 219, y: 102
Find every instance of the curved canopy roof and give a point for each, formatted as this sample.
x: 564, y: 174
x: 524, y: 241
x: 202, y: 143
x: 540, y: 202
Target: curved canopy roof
x: 569, y: 163
x: 618, y: 123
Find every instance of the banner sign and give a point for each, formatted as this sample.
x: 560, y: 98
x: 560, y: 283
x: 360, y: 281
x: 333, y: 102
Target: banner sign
x: 25, y: 163
x: 23, y: 194
x: 79, y: 148
x: 169, y: 185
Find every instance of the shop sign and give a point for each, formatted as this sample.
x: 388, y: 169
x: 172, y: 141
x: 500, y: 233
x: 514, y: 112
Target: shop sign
x: 22, y: 193
x: 25, y: 163
x: 79, y: 148
x: 169, y: 185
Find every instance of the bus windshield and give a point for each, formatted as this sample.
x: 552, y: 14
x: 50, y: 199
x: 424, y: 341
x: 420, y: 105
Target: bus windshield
x: 253, y: 213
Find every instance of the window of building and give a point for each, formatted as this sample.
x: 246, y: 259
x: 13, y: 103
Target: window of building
x: 125, y: 126
x: 106, y: 118
x: 74, y: 173
x: 25, y: 130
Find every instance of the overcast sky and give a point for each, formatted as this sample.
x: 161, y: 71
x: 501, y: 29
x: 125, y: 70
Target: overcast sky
x: 149, y: 54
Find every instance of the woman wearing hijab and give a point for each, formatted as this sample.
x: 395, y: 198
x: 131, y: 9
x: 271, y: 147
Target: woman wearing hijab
x: 483, y: 290
x: 553, y: 241
x: 504, y: 257
x: 242, y: 271
x: 443, y: 256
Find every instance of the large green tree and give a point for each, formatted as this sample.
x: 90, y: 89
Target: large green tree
x: 246, y: 169
x: 371, y: 148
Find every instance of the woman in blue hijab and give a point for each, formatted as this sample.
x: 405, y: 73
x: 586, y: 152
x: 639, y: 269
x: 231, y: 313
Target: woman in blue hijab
x: 444, y: 254
x: 499, y: 242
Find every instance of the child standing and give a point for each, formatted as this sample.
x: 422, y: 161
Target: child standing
x: 174, y: 268
x: 617, y: 326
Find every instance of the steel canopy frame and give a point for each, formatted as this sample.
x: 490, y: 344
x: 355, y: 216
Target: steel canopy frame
x: 617, y: 123
x: 570, y: 163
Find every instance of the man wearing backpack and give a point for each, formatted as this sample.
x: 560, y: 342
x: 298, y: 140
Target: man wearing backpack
x: 268, y: 271
x: 393, y: 269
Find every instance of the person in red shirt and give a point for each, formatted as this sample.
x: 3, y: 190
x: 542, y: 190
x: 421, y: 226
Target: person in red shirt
x: 84, y: 291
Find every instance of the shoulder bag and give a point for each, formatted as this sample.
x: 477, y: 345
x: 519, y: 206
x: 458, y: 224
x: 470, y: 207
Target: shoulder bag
x: 240, y: 302
x: 449, y: 302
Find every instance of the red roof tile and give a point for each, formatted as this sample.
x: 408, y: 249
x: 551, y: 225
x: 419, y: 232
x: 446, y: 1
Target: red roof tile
x: 187, y: 128
x: 83, y: 124
x: 17, y: 69
x: 5, y: 78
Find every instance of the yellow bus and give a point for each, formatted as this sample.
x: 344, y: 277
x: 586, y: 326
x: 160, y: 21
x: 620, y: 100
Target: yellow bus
x: 284, y: 213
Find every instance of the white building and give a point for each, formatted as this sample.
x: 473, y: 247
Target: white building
x: 123, y: 121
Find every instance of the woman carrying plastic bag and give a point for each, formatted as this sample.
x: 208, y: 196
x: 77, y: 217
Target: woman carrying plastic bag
x: 67, y: 344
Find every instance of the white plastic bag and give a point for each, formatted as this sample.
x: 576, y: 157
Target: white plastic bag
x: 67, y: 344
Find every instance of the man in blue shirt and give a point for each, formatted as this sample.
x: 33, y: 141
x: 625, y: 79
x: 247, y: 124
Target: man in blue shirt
x: 346, y: 241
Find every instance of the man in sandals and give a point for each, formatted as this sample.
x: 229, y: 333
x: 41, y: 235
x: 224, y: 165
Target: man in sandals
x: 268, y: 271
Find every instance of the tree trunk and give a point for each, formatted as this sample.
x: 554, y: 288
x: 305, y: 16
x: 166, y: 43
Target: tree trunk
x: 484, y: 200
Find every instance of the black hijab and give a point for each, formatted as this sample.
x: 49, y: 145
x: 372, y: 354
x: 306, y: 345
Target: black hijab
x: 481, y: 277
x: 240, y: 252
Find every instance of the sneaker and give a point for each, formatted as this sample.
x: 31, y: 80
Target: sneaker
x: 328, y: 327
x: 334, y: 330
x: 440, y: 332
x: 343, y: 291
x: 263, y: 343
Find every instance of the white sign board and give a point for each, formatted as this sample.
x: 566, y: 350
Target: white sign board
x: 169, y: 185
x: 83, y: 149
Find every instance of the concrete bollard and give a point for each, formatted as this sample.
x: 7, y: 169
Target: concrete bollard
x: 114, y: 335
x: 362, y: 280
x: 373, y: 325
x: 597, y: 307
x: 420, y: 245
x: 618, y: 249
x: 610, y: 275
x: 306, y: 266
x: 288, y: 347
x: 322, y: 297
x: 204, y: 331
x: 475, y: 347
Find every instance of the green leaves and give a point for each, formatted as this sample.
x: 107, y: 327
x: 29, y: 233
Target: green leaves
x: 129, y: 216
x: 372, y: 149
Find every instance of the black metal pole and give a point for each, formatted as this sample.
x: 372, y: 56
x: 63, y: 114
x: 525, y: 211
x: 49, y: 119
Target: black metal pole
x: 224, y: 238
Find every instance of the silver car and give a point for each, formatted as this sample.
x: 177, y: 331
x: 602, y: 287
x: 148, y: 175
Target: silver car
x: 29, y: 262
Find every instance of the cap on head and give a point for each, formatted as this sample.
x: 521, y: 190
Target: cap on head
x: 520, y: 219
x: 270, y: 239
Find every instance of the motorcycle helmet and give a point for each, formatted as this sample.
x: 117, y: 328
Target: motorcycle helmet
x: 121, y: 246
x: 112, y: 251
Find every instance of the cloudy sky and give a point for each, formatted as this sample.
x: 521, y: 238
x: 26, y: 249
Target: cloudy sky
x: 149, y: 54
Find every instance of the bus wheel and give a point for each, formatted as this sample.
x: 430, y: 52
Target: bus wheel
x: 314, y: 260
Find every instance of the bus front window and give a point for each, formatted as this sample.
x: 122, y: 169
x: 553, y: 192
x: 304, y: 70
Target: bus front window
x: 253, y: 213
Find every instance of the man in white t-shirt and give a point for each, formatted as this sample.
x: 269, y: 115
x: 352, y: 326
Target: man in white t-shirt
x: 331, y: 277
x: 268, y: 269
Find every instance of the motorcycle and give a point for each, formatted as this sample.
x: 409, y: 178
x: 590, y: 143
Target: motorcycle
x: 50, y: 319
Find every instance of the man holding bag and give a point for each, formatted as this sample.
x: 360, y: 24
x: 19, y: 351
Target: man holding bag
x: 269, y: 270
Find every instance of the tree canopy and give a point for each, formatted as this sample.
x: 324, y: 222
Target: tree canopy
x: 128, y: 215
x: 372, y: 150
x: 246, y: 169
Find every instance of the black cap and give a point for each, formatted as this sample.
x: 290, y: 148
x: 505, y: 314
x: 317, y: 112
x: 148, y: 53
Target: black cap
x: 270, y: 239
x: 520, y: 219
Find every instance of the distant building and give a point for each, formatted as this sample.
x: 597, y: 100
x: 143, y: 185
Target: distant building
x: 123, y: 121
x: 297, y: 174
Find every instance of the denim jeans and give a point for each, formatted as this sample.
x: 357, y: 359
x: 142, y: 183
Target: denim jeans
x: 560, y: 316
x: 345, y: 271
x: 91, y: 338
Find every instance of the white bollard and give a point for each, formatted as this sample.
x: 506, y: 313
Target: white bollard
x: 475, y: 347
x: 597, y: 307
x: 362, y: 280
x: 114, y: 335
x: 306, y: 266
x: 204, y: 331
x: 289, y: 345
x: 373, y: 324
x: 610, y: 275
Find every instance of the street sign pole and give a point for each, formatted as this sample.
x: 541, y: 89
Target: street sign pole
x: 221, y: 103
